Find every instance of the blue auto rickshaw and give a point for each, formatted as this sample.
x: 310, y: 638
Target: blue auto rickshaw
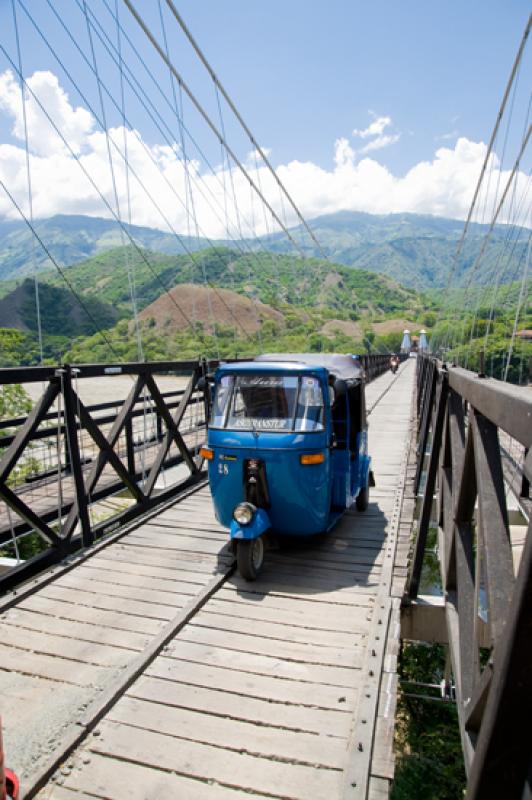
x: 286, y: 448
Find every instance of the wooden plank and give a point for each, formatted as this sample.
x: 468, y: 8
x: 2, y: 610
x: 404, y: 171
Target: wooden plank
x: 257, y: 663
x: 300, y: 619
x: 312, y: 603
x: 127, y: 562
x: 42, y: 665
x: 23, y: 619
x: 203, y: 510
x: 379, y: 789
x: 278, y: 630
x: 290, y: 585
x: 114, y: 620
x: 215, y: 764
x: 104, y: 586
x: 274, y: 743
x: 108, y: 778
x: 260, y: 644
x: 184, y: 525
x: 224, y: 677
x: 171, y: 559
x: 38, y: 643
x: 330, y: 576
x: 238, y: 705
x: 99, y: 601
x: 180, y: 518
x: 191, y: 543
x: 140, y: 581
x: 57, y: 792
x: 329, y: 560
x: 196, y: 526
x: 382, y: 758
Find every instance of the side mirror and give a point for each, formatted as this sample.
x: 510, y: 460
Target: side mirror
x: 204, y: 382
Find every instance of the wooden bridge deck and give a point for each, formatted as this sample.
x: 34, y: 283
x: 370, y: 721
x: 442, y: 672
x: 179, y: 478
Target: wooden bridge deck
x: 164, y: 675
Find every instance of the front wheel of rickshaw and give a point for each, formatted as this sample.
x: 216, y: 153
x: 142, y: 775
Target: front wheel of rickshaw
x: 250, y: 557
x: 362, y: 500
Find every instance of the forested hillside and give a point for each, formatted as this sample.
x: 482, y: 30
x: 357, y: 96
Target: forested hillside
x: 416, y: 250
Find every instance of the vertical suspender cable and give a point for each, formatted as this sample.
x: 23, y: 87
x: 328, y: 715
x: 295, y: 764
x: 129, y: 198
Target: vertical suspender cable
x: 130, y: 265
x: 28, y: 177
x: 235, y: 111
x: 112, y: 170
x: 522, y: 295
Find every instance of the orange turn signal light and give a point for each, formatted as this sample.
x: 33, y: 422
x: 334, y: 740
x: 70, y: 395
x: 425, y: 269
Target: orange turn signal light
x: 206, y: 453
x: 312, y: 458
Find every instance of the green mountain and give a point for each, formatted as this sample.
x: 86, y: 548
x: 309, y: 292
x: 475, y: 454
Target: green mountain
x: 412, y: 249
x: 272, y: 278
x: 61, y: 314
x: 306, y: 298
x: 72, y: 238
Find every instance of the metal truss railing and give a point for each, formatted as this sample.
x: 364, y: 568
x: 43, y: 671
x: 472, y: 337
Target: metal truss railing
x: 71, y: 472
x: 487, y: 583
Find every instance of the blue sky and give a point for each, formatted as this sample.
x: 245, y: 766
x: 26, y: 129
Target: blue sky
x: 307, y: 72
x: 349, y: 92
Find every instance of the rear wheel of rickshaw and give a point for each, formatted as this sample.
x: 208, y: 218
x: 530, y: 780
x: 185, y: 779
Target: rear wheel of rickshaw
x: 250, y: 557
x: 362, y: 500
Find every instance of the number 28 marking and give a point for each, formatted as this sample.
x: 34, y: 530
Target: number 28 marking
x: 223, y: 469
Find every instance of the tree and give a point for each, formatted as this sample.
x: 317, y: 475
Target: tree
x: 14, y: 401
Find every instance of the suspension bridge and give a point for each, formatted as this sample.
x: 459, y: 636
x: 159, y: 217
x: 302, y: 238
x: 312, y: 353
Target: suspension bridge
x: 134, y: 661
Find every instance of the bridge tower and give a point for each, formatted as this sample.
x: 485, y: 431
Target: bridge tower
x: 406, y: 344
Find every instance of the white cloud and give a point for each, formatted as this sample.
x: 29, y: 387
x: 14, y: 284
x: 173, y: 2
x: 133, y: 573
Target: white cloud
x: 74, y: 123
x: 442, y: 186
x: 375, y: 128
x: 380, y: 142
x: 376, y: 132
x: 446, y: 137
x: 254, y: 155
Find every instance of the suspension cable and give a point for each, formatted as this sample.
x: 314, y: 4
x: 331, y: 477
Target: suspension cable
x: 153, y: 113
x: 500, y: 114
x: 495, y: 131
x: 62, y: 273
x: 29, y: 182
x: 207, y: 119
x: 141, y: 183
x: 237, y: 114
x: 103, y: 198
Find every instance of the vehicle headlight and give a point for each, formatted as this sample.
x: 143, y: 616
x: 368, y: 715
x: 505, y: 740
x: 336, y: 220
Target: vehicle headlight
x: 243, y: 513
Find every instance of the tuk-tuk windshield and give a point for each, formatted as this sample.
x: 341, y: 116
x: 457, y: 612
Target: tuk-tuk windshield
x: 268, y: 403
